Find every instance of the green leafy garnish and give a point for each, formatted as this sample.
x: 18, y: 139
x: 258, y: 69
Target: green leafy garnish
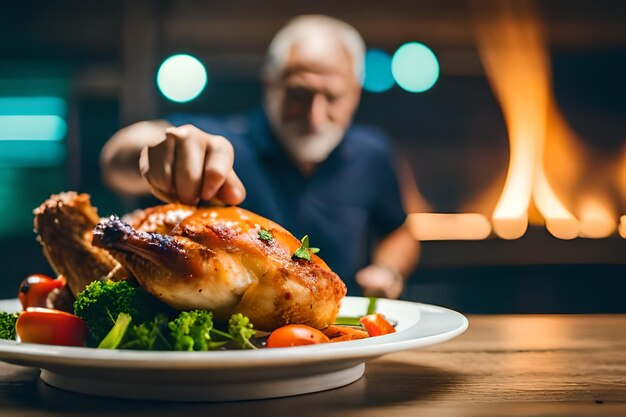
x: 304, y: 251
x: 113, y: 339
x: 266, y: 235
x: 7, y: 325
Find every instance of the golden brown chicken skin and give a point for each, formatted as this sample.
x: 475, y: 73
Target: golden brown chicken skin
x: 215, y: 259
x: 64, y: 224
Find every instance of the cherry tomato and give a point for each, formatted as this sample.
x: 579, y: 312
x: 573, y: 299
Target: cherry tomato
x: 50, y: 327
x: 295, y: 335
x: 35, y: 288
x: 376, y: 325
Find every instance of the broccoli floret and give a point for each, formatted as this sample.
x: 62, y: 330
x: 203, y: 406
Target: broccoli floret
x: 151, y: 335
x: 240, y: 329
x: 102, y: 301
x: 7, y: 325
x: 132, y: 319
x: 191, y: 330
x: 113, y: 339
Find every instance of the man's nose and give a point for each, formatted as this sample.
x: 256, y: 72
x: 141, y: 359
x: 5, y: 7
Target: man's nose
x: 317, y: 112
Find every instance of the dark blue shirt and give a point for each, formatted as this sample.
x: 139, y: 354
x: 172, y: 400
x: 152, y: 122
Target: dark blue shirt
x: 349, y: 202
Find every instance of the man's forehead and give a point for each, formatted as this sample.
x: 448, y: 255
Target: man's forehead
x: 323, y: 83
x: 334, y: 60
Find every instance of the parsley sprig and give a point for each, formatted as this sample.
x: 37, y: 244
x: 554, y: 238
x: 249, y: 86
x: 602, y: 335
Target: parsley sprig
x: 304, y: 251
x: 266, y: 235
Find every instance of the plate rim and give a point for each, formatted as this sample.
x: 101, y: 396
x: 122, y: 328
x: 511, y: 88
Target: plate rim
x: 64, y: 356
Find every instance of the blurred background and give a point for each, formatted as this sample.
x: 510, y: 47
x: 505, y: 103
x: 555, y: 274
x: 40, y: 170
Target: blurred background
x: 74, y: 72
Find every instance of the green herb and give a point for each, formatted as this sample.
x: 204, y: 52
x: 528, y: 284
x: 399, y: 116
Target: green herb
x: 113, y: 339
x: 7, y: 325
x: 304, y: 251
x: 265, y: 235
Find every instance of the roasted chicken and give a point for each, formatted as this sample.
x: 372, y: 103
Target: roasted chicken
x: 194, y: 258
x: 64, y: 225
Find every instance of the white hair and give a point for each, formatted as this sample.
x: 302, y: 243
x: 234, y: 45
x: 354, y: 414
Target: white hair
x: 315, y: 33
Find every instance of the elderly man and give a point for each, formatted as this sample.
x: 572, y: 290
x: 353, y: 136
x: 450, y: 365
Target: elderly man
x: 302, y: 161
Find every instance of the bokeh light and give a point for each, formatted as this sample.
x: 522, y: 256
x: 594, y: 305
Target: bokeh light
x: 181, y: 78
x: 378, y: 77
x: 415, y: 67
x: 32, y: 127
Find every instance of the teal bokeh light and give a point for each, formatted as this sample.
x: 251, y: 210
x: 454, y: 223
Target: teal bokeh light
x: 32, y: 127
x: 378, y: 77
x: 181, y: 78
x: 415, y: 67
x: 32, y: 131
x: 33, y: 105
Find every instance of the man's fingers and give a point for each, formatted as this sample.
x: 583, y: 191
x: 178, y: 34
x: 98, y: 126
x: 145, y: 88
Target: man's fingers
x: 217, y: 166
x: 191, y: 165
x: 156, y: 167
x: 232, y: 192
x: 188, y: 169
x: 377, y: 281
x: 370, y: 288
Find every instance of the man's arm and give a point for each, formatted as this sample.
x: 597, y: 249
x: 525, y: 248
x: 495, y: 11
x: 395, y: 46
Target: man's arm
x: 177, y: 164
x: 394, y: 260
x: 119, y: 158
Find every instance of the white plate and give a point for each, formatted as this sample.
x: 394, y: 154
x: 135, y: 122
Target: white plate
x: 233, y: 375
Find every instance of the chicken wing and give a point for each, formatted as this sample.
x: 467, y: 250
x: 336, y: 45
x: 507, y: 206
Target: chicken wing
x: 64, y: 224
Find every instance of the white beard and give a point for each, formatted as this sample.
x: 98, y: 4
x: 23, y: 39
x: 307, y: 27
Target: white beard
x: 304, y: 147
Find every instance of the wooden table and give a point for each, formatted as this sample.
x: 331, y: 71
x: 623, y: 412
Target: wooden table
x: 502, y: 366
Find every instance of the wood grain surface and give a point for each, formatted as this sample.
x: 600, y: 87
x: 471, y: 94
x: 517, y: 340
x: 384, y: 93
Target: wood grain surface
x: 502, y: 366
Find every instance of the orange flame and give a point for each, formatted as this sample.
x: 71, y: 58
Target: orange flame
x: 547, y: 160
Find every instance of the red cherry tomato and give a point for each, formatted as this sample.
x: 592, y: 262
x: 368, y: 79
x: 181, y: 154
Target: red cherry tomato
x: 295, y: 335
x: 376, y: 325
x: 50, y: 327
x: 35, y: 288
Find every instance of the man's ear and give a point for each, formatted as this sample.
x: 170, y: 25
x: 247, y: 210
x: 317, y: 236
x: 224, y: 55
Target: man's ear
x: 358, y: 93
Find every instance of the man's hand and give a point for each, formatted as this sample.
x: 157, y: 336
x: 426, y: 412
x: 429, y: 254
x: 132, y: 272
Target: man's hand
x: 190, y: 166
x: 380, y: 281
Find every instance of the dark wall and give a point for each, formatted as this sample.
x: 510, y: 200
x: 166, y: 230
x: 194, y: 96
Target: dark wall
x: 453, y: 135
